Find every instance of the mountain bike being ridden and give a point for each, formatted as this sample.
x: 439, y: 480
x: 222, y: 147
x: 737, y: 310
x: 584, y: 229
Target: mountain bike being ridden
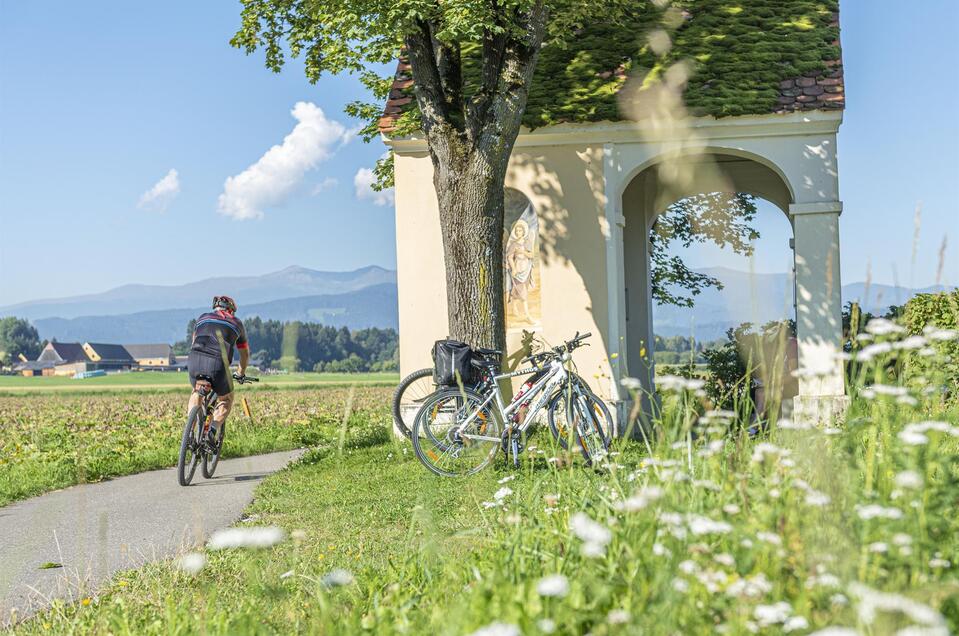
x: 215, y: 334
x: 458, y: 431
x: 197, y: 444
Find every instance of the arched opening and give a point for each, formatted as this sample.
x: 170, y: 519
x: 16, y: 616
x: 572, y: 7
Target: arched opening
x: 704, y: 179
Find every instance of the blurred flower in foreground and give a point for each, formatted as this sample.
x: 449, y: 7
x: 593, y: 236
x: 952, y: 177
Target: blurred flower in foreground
x: 554, y: 585
x: 337, y: 578
x: 246, y: 538
x: 498, y: 629
x: 191, y: 563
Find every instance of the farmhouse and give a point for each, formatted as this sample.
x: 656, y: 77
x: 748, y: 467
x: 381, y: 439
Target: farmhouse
x: 152, y: 355
x: 70, y: 358
x: 622, y: 123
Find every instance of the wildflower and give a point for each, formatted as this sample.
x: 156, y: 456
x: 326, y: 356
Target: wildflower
x: 510, y: 478
x: 286, y: 575
x: 713, y: 447
x: 912, y: 438
x: 871, y: 600
x: 731, y: 509
x: 699, y: 525
x: 546, y: 625
x: 677, y: 383
x: 793, y: 623
x: 832, y: 430
x: 822, y: 580
x: 901, y: 538
x: 769, y: 537
x: 618, y: 617
x: 492, y: 504
x: 660, y: 550
x: 878, y: 547
x: 337, y: 578
x: 883, y: 327
x: 551, y: 500
x: 680, y: 585
x: 883, y: 389
x: 707, y: 484
x: 908, y: 400
x: 262, y: 537
x: 908, y: 479
x: 912, y: 342
x: 935, y: 333
x: 765, y: 449
x: 498, y: 629
x: 631, y: 384
x: 595, y: 536
x: 555, y: 585
x: 753, y: 587
x: 933, y: 425
x: 502, y: 494
x: 790, y: 425
x: 835, y: 631
x: 191, y: 563
x: 725, y: 559
x: 939, y: 563
x: 772, y: 614
x: 869, y: 352
x: 640, y: 499
x: 688, y: 567
x: 839, y: 600
x: 875, y: 511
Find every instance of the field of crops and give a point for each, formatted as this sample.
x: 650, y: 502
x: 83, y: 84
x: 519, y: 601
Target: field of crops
x: 49, y: 442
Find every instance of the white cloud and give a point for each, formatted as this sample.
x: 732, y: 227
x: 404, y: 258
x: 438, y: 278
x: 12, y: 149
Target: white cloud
x: 162, y: 193
x: 363, y: 184
x: 276, y: 174
x: 326, y: 184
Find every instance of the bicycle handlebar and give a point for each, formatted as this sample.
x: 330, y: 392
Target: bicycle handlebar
x: 566, y: 347
x: 243, y: 379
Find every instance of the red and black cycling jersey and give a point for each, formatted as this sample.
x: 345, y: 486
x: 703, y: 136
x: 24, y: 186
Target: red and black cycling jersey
x: 215, y: 327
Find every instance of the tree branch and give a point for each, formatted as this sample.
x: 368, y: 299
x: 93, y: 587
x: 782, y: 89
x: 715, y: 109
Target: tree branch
x: 427, y: 83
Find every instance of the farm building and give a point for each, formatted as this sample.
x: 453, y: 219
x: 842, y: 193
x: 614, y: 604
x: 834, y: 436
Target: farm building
x: 618, y: 127
x: 152, y: 355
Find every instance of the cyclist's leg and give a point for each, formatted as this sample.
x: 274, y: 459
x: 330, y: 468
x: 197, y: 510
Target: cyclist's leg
x: 224, y: 404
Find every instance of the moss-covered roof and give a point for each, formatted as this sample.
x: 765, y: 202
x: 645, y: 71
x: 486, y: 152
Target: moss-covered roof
x: 748, y: 57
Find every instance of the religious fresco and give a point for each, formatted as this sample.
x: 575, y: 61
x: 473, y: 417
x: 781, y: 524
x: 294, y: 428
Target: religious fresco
x: 521, y: 262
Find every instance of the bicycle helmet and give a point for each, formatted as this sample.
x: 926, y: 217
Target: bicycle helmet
x: 225, y: 303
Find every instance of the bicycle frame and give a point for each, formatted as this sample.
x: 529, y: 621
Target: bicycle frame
x: 540, y: 391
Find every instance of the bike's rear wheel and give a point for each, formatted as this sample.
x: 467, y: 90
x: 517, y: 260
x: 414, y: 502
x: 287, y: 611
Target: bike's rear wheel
x: 441, y: 445
x: 579, y: 415
x: 409, y: 396
x: 211, y: 460
x: 190, y: 447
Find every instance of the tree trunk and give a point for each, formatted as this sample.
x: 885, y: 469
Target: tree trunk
x: 470, y: 194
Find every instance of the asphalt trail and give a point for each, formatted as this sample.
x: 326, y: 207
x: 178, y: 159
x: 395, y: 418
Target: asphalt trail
x: 94, y: 530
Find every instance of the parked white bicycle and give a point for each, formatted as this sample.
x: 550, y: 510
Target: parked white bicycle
x: 458, y: 431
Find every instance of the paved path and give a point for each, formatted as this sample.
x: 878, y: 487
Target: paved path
x: 94, y: 530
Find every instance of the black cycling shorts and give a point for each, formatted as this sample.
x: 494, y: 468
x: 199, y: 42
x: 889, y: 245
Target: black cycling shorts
x: 211, y: 367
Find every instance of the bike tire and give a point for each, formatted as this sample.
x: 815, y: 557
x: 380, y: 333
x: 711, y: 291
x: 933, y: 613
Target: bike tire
x: 591, y: 446
x: 211, y: 461
x: 403, y: 388
x: 425, y: 441
x: 189, y: 443
x: 607, y: 417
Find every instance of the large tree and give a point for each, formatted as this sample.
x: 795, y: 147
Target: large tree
x: 472, y: 63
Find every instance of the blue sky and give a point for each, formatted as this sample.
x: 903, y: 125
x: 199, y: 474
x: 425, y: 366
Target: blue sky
x: 100, y: 101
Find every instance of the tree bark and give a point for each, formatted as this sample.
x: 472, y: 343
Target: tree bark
x: 470, y: 143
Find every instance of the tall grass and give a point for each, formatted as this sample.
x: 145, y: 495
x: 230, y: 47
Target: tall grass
x: 848, y: 528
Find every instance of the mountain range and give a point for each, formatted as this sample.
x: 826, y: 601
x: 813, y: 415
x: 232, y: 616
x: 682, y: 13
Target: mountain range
x: 367, y: 297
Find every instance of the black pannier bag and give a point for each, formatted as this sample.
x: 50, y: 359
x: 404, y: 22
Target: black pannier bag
x: 452, y: 363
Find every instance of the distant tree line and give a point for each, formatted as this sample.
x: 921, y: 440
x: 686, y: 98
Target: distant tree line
x: 309, y: 346
x: 18, y: 337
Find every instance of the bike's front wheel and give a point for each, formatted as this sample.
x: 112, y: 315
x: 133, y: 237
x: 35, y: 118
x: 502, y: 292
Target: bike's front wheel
x: 559, y: 421
x: 212, y: 459
x: 190, y: 447
x: 455, y: 433
x: 584, y: 418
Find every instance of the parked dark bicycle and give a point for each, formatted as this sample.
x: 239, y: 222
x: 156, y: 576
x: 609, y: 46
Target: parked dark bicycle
x: 195, y: 447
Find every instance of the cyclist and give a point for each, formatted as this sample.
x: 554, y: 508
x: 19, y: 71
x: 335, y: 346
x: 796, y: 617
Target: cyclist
x: 215, y: 335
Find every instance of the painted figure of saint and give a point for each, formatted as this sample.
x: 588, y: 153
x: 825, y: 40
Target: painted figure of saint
x: 519, y: 261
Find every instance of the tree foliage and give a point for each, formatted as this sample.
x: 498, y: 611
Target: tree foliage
x: 18, y: 337
x: 717, y: 217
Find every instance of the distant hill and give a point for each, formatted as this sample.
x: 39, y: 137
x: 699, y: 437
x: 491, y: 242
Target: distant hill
x: 291, y: 282
x: 759, y: 298
x: 373, y: 306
